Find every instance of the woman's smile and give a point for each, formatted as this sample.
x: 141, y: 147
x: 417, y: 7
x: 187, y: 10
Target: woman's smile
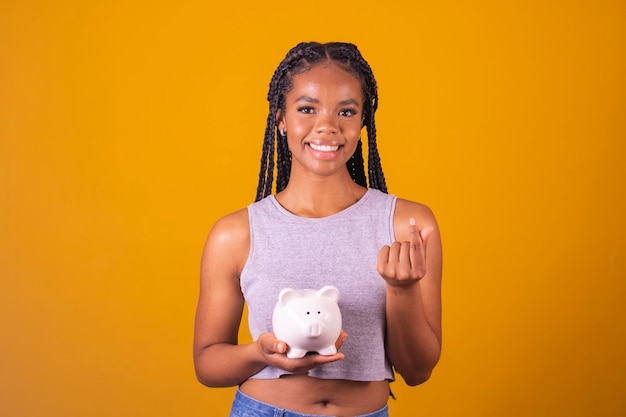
x: 325, y: 152
x: 324, y: 148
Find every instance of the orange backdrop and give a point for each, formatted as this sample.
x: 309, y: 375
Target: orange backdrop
x: 128, y: 128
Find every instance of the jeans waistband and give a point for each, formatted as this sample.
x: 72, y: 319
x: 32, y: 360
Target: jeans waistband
x: 245, y: 406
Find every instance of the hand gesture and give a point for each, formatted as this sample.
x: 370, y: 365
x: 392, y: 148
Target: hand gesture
x: 404, y: 263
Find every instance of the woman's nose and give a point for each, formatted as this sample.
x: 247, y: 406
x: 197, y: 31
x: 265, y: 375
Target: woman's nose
x: 327, y: 123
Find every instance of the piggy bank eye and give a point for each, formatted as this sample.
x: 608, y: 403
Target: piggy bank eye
x: 319, y: 312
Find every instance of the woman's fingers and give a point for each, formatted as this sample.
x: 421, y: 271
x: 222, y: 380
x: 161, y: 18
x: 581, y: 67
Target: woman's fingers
x: 405, y: 262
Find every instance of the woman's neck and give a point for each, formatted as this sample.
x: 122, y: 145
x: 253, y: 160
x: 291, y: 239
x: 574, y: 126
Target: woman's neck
x: 319, y: 198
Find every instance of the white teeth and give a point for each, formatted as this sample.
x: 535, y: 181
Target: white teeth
x: 323, y: 148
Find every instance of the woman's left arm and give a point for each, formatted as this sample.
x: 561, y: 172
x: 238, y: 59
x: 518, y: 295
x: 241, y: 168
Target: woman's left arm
x: 411, y: 266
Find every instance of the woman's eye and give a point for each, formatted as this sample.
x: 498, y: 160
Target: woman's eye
x: 347, y: 112
x: 306, y: 110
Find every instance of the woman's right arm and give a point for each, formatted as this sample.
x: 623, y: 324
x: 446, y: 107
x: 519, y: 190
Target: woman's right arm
x: 218, y: 359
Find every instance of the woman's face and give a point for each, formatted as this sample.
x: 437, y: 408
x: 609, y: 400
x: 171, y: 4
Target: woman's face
x: 322, y: 119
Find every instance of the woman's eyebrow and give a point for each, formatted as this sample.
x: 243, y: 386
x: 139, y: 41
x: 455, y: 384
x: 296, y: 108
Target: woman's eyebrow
x: 349, y: 101
x: 308, y: 99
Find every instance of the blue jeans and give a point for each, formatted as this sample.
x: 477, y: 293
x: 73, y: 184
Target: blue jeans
x: 244, y: 406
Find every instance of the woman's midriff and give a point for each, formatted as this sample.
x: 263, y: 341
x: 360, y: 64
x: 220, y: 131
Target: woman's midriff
x: 307, y: 395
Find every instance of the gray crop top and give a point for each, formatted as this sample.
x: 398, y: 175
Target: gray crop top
x: 341, y: 250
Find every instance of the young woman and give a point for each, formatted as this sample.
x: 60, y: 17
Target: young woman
x: 324, y: 225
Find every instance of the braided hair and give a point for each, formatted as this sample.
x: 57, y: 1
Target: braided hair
x: 298, y: 60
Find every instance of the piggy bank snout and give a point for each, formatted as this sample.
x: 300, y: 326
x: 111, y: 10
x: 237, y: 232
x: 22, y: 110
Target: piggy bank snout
x: 315, y: 322
x: 315, y: 330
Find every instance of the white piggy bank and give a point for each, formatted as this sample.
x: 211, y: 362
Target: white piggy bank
x: 308, y: 320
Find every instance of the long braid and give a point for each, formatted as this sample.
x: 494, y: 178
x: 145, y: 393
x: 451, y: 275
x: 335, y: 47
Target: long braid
x: 375, y: 169
x: 355, y: 166
x: 266, y: 173
x: 284, y: 164
x: 299, y: 59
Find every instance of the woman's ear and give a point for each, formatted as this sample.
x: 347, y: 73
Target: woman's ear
x: 280, y: 120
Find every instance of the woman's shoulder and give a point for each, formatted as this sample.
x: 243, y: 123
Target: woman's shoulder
x: 230, y: 233
x: 228, y: 242
x: 234, y: 225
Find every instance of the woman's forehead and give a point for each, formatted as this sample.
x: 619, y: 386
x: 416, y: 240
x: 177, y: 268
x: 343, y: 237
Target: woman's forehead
x: 327, y: 76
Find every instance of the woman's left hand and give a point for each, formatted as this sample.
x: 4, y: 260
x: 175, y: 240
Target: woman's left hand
x: 404, y: 263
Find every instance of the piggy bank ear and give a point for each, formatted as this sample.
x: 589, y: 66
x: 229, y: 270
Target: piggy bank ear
x: 329, y: 292
x: 287, y: 294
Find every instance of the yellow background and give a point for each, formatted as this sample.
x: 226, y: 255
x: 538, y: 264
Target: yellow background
x: 128, y: 128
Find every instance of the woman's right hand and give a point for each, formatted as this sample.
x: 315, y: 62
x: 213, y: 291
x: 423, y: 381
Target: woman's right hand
x: 274, y: 352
